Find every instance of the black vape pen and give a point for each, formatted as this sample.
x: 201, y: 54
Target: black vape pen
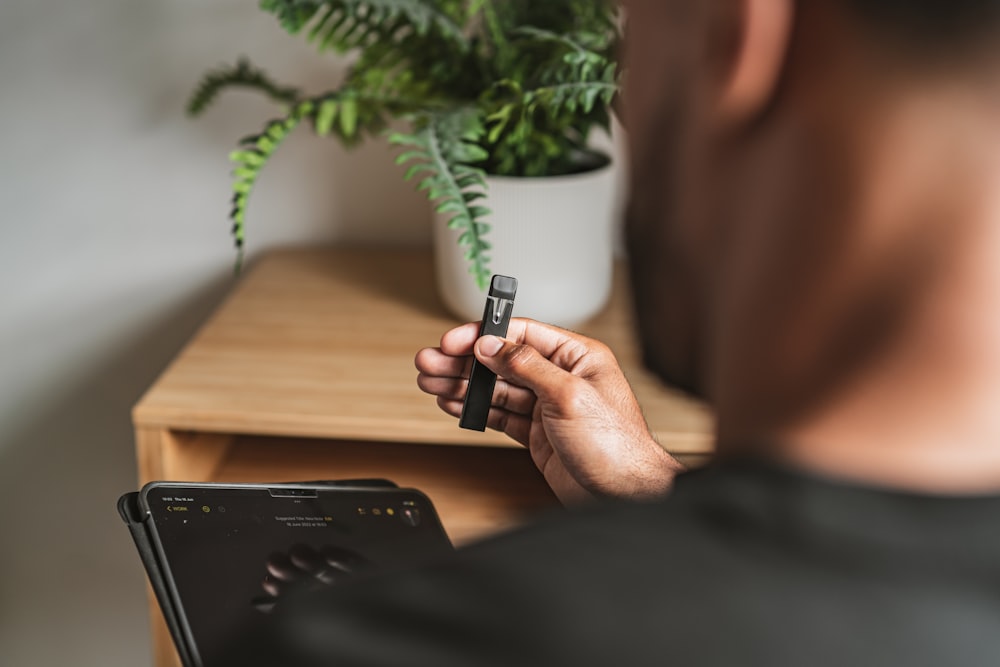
x: 496, y: 318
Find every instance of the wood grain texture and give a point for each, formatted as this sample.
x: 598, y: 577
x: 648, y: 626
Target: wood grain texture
x: 320, y: 343
x: 478, y: 491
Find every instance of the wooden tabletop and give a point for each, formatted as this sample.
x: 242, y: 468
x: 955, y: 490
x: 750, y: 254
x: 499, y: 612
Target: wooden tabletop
x: 320, y: 343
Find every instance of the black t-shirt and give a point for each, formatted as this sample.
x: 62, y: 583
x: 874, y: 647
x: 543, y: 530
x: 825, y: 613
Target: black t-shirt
x: 741, y: 565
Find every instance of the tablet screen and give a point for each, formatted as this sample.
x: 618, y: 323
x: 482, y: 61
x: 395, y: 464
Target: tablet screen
x: 233, y: 553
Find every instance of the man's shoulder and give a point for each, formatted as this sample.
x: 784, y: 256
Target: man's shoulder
x: 738, y: 566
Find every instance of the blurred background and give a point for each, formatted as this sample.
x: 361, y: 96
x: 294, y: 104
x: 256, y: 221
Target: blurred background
x: 114, y: 246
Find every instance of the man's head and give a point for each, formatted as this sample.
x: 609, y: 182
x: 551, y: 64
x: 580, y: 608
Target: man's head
x: 785, y: 219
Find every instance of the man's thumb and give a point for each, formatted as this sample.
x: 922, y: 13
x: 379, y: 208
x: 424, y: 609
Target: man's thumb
x: 522, y: 365
x: 488, y: 347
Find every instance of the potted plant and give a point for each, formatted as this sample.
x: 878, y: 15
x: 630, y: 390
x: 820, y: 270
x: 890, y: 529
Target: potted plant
x: 491, y: 90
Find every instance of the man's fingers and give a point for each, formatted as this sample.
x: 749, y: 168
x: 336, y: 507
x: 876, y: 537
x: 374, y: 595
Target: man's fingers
x: 505, y: 396
x: 453, y: 357
x: 562, y: 347
x: 516, y: 425
x: 512, y: 398
x: 524, y: 365
x: 432, y: 361
x: 450, y: 388
x: 458, y: 341
x: 450, y: 406
x: 536, y: 360
x: 543, y: 337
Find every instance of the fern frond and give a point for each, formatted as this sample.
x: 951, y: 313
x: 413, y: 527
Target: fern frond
x: 539, y: 124
x: 536, y: 130
x: 573, y: 96
x: 579, y: 57
x: 344, y: 25
x: 347, y: 113
x: 583, y: 43
x: 443, y: 150
x: 250, y: 159
x: 244, y: 75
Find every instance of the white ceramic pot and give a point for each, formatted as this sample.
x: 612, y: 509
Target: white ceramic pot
x: 554, y: 234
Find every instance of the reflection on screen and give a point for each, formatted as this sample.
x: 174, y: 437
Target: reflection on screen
x: 234, y: 555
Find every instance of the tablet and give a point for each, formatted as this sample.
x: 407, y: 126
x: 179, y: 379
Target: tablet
x: 228, y: 554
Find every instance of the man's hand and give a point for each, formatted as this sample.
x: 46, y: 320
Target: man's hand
x: 564, y: 397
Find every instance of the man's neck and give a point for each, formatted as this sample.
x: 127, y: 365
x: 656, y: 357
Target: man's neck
x: 924, y: 414
x: 913, y: 405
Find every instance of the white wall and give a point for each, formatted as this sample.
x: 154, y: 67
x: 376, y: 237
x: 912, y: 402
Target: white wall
x: 113, y: 247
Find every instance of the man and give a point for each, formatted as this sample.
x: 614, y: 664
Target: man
x: 814, y: 231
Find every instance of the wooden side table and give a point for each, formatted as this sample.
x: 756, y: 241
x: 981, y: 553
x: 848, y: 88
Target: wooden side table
x: 306, y: 372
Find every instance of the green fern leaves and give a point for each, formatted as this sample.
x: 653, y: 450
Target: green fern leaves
x: 251, y: 157
x: 243, y: 74
x: 535, y: 127
x: 506, y: 87
x: 442, y: 151
x: 344, y: 25
x: 348, y: 113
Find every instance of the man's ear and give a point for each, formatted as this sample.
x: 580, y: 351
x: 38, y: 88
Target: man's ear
x: 750, y: 46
